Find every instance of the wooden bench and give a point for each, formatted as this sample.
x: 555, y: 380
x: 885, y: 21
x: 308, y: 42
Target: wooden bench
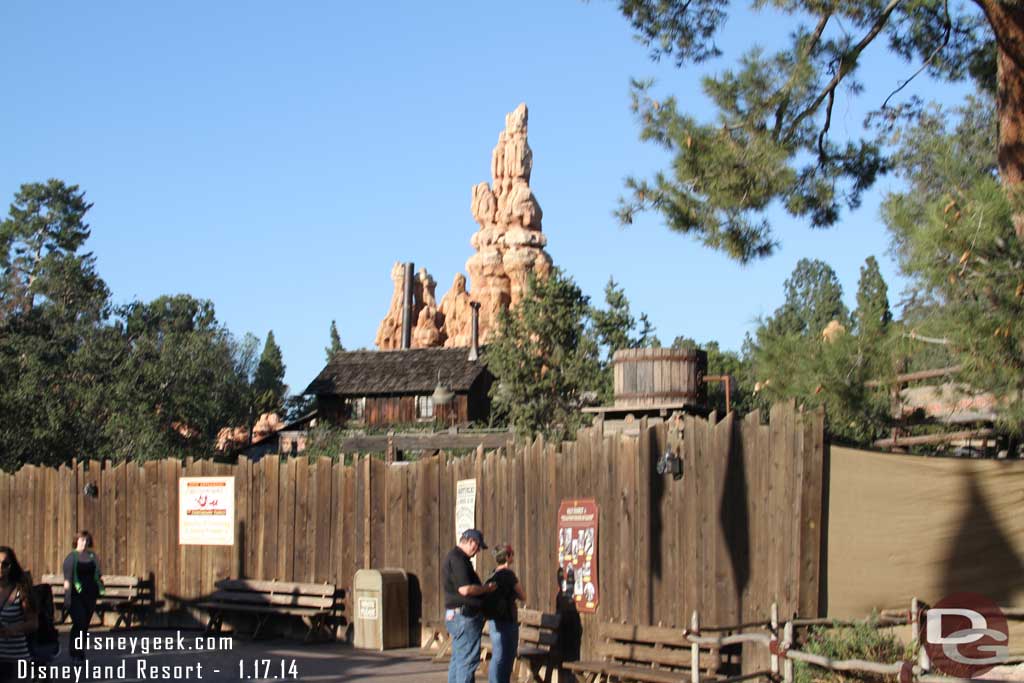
x: 653, y: 654
x: 538, y: 656
x: 130, y: 597
x: 320, y: 603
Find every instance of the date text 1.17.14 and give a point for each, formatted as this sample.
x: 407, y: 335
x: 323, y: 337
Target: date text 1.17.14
x: 267, y: 668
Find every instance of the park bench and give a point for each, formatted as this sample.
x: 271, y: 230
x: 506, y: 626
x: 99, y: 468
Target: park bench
x: 319, y: 603
x: 130, y: 597
x: 538, y: 655
x: 651, y: 654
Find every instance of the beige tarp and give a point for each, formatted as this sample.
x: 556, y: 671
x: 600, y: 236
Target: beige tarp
x: 901, y: 526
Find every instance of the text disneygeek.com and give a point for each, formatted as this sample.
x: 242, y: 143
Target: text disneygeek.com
x: 136, y: 668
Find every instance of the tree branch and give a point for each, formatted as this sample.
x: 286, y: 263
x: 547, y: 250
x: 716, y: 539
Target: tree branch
x: 931, y: 57
x: 815, y: 37
x: 828, y: 124
x: 846, y: 65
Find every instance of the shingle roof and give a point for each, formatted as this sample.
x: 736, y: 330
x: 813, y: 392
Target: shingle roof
x: 410, y: 371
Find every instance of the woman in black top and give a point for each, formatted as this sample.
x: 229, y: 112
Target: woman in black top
x: 18, y: 616
x: 83, y: 586
x: 501, y: 612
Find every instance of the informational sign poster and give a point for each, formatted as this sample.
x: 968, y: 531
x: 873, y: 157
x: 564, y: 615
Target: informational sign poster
x: 465, y: 508
x: 206, y: 511
x: 577, y: 549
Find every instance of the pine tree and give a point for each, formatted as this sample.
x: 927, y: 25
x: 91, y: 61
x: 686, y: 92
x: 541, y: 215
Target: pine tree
x: 335, y: 345
x: 872, y: 316
x: 268, y: 387
x: 546, y: 358
x: 770, y: 142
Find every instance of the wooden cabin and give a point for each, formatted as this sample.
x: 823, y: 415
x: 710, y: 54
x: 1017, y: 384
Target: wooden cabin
x: 372, y: 389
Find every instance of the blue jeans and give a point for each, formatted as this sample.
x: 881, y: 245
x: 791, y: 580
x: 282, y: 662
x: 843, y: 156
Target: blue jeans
x: 505, y: 644
x: 465, y: 633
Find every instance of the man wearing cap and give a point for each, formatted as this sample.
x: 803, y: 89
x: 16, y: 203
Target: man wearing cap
x: 463, y: 605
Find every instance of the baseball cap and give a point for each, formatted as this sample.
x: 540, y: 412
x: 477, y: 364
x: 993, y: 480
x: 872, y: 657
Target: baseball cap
x: 477, y: 536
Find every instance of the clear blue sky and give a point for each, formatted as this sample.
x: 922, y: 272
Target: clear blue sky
x: 277, y: 158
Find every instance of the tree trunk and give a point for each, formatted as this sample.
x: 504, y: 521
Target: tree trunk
x: 1007, y: 20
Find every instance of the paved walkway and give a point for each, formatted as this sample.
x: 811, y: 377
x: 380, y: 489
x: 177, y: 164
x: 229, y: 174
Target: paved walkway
x: 169, y: 655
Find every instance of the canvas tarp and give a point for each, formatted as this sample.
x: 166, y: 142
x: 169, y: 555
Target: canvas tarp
x: 901, y: 526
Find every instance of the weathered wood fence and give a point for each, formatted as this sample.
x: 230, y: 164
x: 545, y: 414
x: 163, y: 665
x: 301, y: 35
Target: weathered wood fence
x: 740, y: 530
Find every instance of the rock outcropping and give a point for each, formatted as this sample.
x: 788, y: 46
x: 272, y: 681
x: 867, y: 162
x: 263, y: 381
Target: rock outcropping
x: 509, y: 246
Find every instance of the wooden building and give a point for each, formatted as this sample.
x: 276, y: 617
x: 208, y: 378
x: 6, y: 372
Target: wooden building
x: 388, y: 388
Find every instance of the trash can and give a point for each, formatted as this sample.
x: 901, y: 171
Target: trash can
x: 381, y: 609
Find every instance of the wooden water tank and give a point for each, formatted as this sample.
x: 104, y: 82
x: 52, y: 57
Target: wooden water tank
x: 660, y: 377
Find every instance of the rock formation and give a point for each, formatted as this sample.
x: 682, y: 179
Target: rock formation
x: 389, y: 334
x: 509, y: 246
x: 428, y: 323
x: 457, y: 314
x: 429, y: 328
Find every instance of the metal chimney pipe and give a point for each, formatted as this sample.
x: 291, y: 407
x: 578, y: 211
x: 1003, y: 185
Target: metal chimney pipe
x: 407, y: 308
x: 474, y: 344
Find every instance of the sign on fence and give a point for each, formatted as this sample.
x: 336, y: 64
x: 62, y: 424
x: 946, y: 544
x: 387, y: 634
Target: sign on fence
x: 206, y: 511
x: 577, y: 549
x: 465, y: 508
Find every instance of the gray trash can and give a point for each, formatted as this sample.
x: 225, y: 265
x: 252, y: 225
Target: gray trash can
x: 381, y: 609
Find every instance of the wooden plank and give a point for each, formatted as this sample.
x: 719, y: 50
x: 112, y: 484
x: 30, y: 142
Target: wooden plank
x: 352, y: 557
x: 811, y: 513
x: 378, y: 515
x: 296, y: 533
x: 642, y: 526
x: 279, y: 544
x: 428, y: 500
x: 278, y: 508
x: 322, y: 563
x: 394, y: 499
x: 625, y: 473
x: 691, y: 499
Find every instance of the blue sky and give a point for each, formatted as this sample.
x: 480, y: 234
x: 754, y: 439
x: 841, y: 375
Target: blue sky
x: 277, y: 158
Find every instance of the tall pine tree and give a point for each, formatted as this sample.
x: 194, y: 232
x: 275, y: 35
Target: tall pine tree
x: 335, y: 345
x: 268, y: 387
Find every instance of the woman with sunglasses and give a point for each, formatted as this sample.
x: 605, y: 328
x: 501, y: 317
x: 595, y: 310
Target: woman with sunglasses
x: 502, y: 614
x: 83, y: 584
x: 17, y: 613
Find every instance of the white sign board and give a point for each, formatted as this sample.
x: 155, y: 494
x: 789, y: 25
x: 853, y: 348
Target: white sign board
x: 465, y: 506
x: 206, y: 511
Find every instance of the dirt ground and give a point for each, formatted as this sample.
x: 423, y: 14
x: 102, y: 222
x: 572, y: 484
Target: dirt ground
x: 170, y: 655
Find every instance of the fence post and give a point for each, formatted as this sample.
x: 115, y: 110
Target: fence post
x: 775, y: 640
x: 694, y: 649
x: 915, y: 632
x: 787, y: 663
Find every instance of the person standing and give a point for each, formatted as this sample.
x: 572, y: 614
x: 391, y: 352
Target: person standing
x: 501, y: 611
x: 82, y: 587
x: 17, y: 614
x: 463, y: 614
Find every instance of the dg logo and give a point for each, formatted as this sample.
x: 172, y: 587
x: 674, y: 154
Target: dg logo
x: 965, y: 635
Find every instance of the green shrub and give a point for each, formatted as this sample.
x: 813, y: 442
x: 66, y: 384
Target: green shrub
x: 863, y: 641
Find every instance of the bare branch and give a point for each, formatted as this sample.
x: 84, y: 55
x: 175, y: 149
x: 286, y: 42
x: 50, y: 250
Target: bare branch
x: 828, y: 123
x: 847, y: 64
x: 931, y: 57
x: 815, y: 37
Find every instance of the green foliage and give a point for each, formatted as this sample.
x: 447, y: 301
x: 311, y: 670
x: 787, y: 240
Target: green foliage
x: 78, y: 378
x: 955, y: 236
x: 790, y: 358
x: 335, y: 345
x: 769, y: 141
x: 268, y: 387
x: 546, y: 356
x: 873, y: 315
x: 863, y: 641
x: 176, y: 382
x: 814, y: 298
x: 617, y: 329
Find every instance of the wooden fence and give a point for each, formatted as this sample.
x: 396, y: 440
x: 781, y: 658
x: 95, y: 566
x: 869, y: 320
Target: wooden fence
x: 742, y: 528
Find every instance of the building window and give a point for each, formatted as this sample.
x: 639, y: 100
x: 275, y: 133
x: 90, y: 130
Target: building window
x: 424, y: 408
x: 356, y: 408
